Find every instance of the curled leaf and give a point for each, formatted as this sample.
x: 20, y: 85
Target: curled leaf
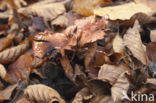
x: 153, y: 35
x: 7, y: 92
x: 3, y: 71
x: 11, y: 54
x: 133, y: 37
x: 5, y: 42
x: 43, y: 93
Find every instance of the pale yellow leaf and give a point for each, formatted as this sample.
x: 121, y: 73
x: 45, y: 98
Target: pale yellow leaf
x: 118, y: 45
x: 3, y: 71
x: 123, y: 12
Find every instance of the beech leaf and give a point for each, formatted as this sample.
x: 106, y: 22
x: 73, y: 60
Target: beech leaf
x: 43, y: 93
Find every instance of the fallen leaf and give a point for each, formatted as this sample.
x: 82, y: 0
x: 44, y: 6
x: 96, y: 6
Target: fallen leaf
x: 110, y: 73
x: 43, y: 93
x: 123, y: 12
x: 11, y: 54
x: 67, y: 67
x: 16, y: 3
x: 151, y: 80
x: 153, y: 35
x: 133, y: 37
x: 102, y: 99
x: 61, y: 21
x: 5, y: 42
x: 120, y: 88
x: 20, y: 69
x: 151, y: 51
x: 3, y: 71
x: 118, y: 44
x: 90, y: 55
x: 85, y: 7
x: 48, y: 11
x: 24, y: 100
x: 83, y: 94
x: 7, y: 92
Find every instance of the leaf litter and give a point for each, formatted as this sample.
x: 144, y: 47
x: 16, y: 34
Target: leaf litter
x: 77, y: 51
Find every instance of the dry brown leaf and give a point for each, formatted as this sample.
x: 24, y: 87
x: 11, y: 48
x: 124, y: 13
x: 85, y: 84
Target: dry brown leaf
x: 20, y: 69
x: 133, y: 41
x: 16, y: 3
x: 3, y: 71
x: 85, y: 7
x: 153, y: 35
x: 120, y: 88
x: 43, y: 93
x: 118, y: 44
x: 54, y: 43
x: 7, y: 92
x: 48, y: 11
x: 143, y: 19
x: 11, y: 54
x: 151, y: 80
x: 83, y: 94
x: 123, y: 12
x: 151, y: 51
x: 5, y: 42
x: 102, y: 99
x: 90, y: 55
x: 24, y: 100
x: 67, y: 67
x: 110, y: 73
x: 61, y: 21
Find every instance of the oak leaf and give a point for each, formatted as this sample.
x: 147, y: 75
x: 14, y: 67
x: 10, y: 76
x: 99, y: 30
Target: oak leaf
x: 43, y: 93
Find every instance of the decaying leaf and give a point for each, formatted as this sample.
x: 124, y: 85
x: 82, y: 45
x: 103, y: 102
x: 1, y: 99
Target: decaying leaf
x: 61, y: 21
x: 110, y: 73
x: 89, y: 55
x: 120, y: 88
x: 151, y: 51
x: 24, y: 100
x: 11, y: 54
x: 7, y: 92
x: 48, y: 11
x: 42, y: 93
x: 20, y: 69
x: 85, y: 7
x: 83, y: 94
x: 5, y: 42
x: 151, y: 80
x: 153, y: 35
x: 16, y: 3
x: 3, y: 71
x: 67, y: 67
x: 123, y: 12
x: 133, y: 37
x: 102, y: 99
x: 118, y: 45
